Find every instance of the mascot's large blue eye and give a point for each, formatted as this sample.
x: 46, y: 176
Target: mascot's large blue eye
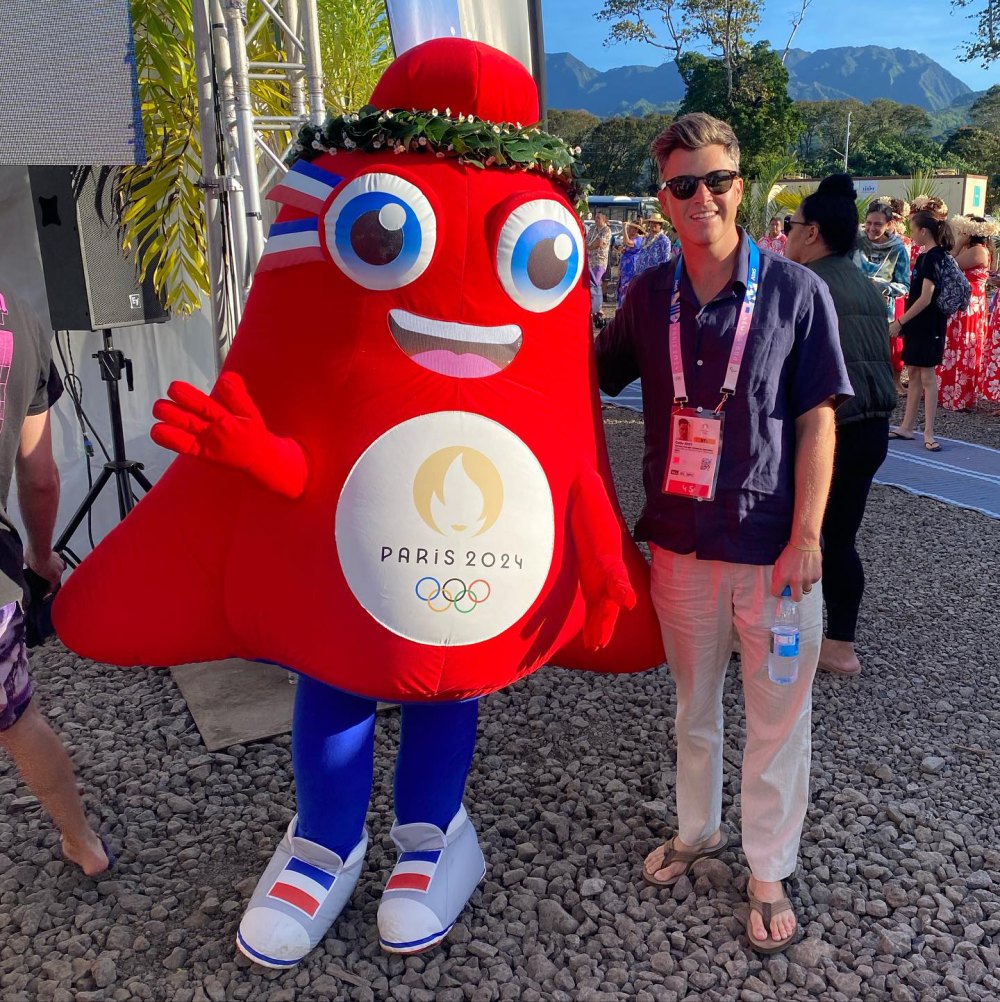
x: 381, y: 231
x: 540, y: 254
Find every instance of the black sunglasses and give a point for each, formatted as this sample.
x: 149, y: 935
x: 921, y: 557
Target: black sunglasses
x: 684, y: 186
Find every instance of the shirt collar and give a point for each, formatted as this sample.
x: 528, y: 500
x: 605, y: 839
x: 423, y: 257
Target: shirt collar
x: 741, y: 274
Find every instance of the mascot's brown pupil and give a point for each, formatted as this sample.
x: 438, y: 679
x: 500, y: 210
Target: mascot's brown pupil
x: 545, y: 269
x: 372, y: 242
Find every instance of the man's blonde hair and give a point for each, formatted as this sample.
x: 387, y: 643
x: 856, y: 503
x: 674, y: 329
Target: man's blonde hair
x: 695, y: 132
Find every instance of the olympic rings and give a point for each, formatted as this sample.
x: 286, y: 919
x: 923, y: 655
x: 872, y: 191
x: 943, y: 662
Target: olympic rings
x: 452, y: 592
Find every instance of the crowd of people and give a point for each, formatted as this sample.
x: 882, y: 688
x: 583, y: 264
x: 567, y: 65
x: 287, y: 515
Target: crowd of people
x: 951, y: 360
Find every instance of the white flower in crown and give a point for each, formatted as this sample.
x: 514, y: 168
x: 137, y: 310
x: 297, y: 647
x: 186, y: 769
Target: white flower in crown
x: 434, y: 112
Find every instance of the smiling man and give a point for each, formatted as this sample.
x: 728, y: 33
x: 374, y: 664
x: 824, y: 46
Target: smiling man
x: 745, y: 343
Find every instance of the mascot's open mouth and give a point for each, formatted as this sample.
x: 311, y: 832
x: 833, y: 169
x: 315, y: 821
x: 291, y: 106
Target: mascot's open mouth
x: 467, y: 351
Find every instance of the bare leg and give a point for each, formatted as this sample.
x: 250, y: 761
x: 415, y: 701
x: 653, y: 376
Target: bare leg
x: 46, y: 768
x: 912, y: 401
x: 930, y: 381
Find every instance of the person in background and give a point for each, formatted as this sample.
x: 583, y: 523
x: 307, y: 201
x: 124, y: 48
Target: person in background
x: 741, y: 521
x: 824, y: 229
x: 924, y: 203
x: 923, y: 325
x: 598, y: 249
x: 774, y: 240
x: 656, y: 247
x: 632, y: 236
x: 897, y: 227
x: 989, y: 373
x: 32, y: 387
x: 965, y: 337
x: 881, y: 255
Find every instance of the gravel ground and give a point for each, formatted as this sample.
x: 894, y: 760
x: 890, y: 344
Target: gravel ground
x: 898, y: 891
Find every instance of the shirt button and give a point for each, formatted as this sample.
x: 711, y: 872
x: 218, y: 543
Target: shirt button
x: 700, y: 362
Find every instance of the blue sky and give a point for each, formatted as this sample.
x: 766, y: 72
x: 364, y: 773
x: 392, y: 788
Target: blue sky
x: 928, y: 26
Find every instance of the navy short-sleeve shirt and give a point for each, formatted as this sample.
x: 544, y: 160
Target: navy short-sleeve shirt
x: 792, y: 363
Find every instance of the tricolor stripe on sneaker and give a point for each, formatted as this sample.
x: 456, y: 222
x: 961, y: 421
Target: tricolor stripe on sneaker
x: 414, y: 871
x: 303, y: 886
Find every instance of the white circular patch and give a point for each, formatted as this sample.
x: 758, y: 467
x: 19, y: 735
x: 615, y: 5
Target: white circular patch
x: 392, y: 216
x: 445, y: 529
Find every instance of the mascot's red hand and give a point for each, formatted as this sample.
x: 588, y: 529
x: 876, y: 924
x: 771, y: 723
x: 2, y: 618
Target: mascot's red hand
x: 603, y: 575
x: 228, y: 429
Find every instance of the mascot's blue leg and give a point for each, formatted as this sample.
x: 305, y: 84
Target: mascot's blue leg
x: 440, y: 861
x: 317, y: 864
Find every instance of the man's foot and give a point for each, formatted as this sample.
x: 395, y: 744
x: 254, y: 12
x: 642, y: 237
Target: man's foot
x: 657, y: 869
x: 838, y: 658
x: 783, y: 924
x: 90, y: 854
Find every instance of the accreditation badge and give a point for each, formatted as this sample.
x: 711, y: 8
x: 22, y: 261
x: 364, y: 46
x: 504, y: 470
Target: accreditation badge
x: 693, y: 457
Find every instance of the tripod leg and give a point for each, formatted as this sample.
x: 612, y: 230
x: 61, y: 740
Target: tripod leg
x: 141, y: 479
x: 81, y: 512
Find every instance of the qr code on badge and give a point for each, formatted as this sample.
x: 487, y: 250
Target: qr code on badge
x: 705, y: 464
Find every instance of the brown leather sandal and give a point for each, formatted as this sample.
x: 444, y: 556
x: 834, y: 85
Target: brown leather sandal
x: 768, y: 909
x: 650, y: 866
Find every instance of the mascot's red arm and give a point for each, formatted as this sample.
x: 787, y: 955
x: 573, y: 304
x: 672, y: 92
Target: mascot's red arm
x: 227, y: 429
x: 604, y: 578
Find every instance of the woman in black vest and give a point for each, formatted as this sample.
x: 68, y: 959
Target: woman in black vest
x: 823, y: 233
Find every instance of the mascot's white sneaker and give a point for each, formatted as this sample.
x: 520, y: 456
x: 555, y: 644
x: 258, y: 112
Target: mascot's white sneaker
x: 298, y: 898
x: 433, y: 879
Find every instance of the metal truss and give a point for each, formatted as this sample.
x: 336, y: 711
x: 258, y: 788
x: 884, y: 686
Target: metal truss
x: 243, y: 150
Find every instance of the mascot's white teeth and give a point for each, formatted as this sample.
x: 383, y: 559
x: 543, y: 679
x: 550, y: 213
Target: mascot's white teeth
x: 464, y: 351
x: 451, y: 331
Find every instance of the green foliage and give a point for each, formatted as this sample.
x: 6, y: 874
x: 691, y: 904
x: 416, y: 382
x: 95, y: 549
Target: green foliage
x: 616, y: 158
x: 922, y: 185
x: 757, y: 104
x: 724, y: 25
x: 979, y: 150
x: 572, y: 125
x: 760, y: 196
x: 985, y: 44
x: 985, y: 111
x: 163, y: 218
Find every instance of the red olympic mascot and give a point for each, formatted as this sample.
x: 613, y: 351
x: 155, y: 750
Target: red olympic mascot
x: 398, y: 487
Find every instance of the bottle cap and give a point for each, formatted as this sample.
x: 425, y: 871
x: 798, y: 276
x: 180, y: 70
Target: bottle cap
x: 787, y: 592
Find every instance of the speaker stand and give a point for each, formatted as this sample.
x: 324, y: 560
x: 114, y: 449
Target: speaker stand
x: 124, y: 470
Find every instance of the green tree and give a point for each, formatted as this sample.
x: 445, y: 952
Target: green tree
x: 985, y: 111
x: 616, y: 155
x: 572, y: 125
x: 757, y: 106
x: 979, y: 151
x: 889, y: 155
x: 724, y: 25
x: 986, y: 38
x: 163, y: 217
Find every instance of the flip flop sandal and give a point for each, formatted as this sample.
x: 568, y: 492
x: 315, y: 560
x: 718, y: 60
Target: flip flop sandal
x: 768, y: 909
x: 932, y: 446
x: 650, y: 867
x: 895, y: 434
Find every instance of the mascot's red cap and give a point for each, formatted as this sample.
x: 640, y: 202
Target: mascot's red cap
x: 468, y: 77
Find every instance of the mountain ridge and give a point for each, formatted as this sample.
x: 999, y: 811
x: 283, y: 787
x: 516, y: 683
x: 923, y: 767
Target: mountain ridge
x: 864, y: 72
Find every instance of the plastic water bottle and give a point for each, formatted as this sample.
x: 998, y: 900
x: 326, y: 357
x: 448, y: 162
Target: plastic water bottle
x: 783, y: 661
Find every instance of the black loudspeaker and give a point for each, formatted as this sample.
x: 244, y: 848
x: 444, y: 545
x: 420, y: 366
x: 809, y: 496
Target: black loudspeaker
x: 91, y: 283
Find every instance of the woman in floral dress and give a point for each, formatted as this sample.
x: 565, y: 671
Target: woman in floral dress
x: 989, y: 371
x: 959, y: 371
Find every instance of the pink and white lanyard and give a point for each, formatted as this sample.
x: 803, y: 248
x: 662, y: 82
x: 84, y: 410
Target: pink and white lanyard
x: 739, y: 339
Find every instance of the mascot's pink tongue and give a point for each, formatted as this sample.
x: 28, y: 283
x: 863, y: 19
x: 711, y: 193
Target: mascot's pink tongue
x: 447, y: 363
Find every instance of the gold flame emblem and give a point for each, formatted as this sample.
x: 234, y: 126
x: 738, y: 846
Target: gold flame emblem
x: 458, y: 492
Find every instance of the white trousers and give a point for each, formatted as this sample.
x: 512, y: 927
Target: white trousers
x: 699, y: 603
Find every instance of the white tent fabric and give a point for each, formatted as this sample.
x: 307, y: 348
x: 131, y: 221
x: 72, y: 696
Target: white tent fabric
x: 180, y: 349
